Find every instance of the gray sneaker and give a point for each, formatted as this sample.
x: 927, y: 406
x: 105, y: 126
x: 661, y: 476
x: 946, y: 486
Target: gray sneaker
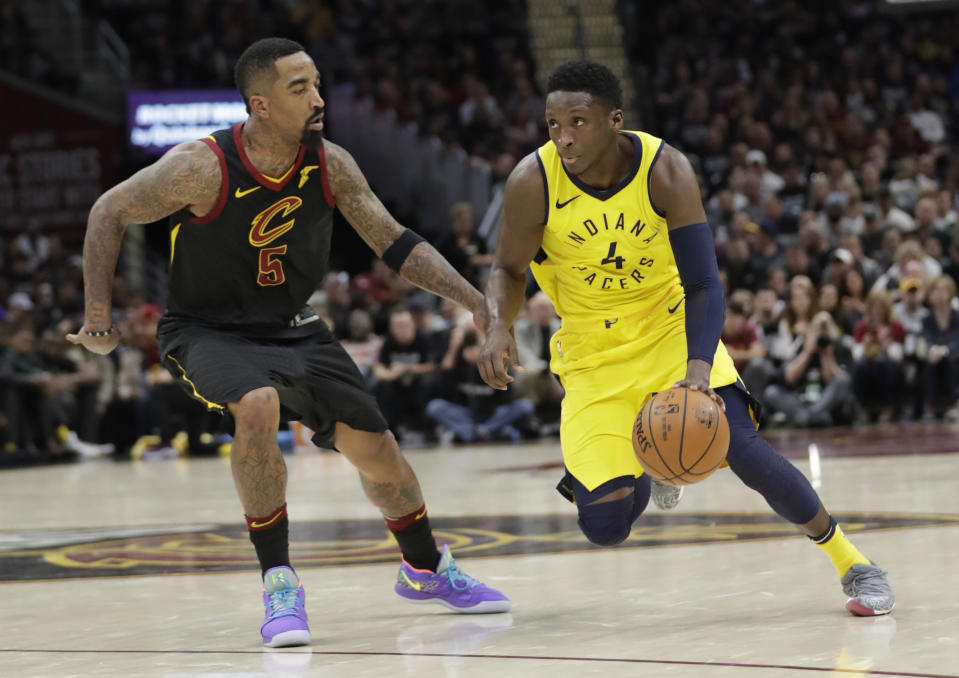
x: 666, y: 496
x: 868, y: 590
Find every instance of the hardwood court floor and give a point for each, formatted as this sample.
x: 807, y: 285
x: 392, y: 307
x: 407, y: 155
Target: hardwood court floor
x: 144, y: 569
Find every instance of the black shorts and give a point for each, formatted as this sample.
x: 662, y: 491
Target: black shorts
x: 317, y: 381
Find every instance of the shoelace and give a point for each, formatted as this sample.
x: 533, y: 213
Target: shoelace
x: 458, y: 579
x: 870, y: 583
x: 283, y: 603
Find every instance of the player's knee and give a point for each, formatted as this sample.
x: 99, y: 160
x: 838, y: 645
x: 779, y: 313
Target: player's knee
x: 607, y: 523
x: 258, y: 410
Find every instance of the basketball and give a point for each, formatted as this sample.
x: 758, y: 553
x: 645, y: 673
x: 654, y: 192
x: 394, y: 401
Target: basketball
x: 680, y: 436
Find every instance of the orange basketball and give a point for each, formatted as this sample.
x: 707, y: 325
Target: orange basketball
x: 680, y: 436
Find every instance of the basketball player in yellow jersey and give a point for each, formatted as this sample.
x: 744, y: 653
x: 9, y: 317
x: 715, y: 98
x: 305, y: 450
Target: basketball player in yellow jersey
x: 613, y: 226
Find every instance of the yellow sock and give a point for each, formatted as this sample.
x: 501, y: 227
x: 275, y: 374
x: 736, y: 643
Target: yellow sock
x: 840, y: 550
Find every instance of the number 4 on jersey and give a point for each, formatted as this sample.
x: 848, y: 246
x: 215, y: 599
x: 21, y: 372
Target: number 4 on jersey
x: 611, y: 257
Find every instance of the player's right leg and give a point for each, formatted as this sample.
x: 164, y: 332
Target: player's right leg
x: 790, y: 495
x: 259, y: 473
x: 232, y: 374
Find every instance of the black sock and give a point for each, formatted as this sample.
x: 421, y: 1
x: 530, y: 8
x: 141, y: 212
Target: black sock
x: 272, y: 544
x: 417, y: 545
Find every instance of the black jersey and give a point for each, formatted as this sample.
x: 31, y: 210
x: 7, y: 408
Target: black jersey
x: 254, y: 261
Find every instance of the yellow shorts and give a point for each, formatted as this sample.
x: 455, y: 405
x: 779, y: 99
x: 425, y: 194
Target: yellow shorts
x: 608, y: 371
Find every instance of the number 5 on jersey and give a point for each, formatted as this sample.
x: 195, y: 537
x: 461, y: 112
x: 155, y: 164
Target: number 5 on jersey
x: 271, y: 268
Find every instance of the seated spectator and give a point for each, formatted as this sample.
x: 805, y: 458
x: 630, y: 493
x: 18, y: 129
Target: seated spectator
x: 909, y: 251
x: 470, y: 409
x: 816, y: 390
x: 744, y: 344
x: 34, y: 411
x: 463, y: 248
x: 941, y: 334
x: 910, y: 312
x: 828, y: 302
x: 361, y: 344
x: 786, y: 343
x: 123, y: 405
x: 533, y: 332
x: 378, y: 283
x: 337, y: 301
x: 738, y: 265
x: 852, y: 300
x: 767, y: 310
x: 402, y: 388
x: 877, y: 351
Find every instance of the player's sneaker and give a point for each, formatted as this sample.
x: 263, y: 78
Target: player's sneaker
x: 666, y: 496
x: 449, y: 586
x: 285, y: 601
x: 869, y: 591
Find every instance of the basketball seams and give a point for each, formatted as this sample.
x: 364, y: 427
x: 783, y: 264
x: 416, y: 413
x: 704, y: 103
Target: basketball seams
x: 682, y: 431
x: 709, y: 446
x: 661, y: 468
x: 652, y: 436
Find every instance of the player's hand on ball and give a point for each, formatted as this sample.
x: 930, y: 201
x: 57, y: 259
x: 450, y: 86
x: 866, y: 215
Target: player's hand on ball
x: 498, y: 355
x: 100, y: 345
x: 697, y: 379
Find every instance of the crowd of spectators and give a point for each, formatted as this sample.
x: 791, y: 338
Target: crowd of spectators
x: 822, y: 134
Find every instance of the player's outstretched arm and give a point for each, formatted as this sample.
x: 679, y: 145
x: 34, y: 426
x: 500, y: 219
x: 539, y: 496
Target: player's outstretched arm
x: 421, y: 264
x: 675, y: 191
x: 520, y: 237
x: 188, y: 175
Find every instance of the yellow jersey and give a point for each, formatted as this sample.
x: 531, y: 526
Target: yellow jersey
x: 605, y: 253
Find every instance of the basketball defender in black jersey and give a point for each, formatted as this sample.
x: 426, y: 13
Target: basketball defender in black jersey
x: 250, y: 213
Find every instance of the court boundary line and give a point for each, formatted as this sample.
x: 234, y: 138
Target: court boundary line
x: 621, y: 660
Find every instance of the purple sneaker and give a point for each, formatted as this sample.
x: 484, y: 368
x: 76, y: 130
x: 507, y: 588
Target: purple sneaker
x: 285, y: 599
x: 449, y: 586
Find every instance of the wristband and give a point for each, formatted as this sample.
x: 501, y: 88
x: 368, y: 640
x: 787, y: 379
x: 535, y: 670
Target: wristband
x: 100, y: 333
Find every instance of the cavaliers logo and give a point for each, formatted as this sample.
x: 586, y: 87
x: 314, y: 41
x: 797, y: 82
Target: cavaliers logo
x: 262, y: 233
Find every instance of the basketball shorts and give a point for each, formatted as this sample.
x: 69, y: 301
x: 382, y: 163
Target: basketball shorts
x: 317, y: 381
x: 609, y: 368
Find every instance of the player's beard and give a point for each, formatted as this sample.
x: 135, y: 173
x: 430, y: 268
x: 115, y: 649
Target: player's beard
x: 312, y: 138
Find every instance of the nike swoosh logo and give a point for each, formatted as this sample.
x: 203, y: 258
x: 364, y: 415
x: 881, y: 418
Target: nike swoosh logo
x: 673, y: 309
x: 416, y: 586
x: 256, y: 525
x: 419, y: 515
x: 561, y: 205
x: 240, y: 194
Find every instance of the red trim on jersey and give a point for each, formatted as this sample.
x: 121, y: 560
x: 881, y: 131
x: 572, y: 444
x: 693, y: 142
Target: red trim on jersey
x: 224, y: 185
x: 327, y: 191
x: 263, y: 180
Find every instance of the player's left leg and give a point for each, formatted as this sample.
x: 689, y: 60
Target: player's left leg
x: 790, y: 495
x: 426, y: 574
x: 607, y: 513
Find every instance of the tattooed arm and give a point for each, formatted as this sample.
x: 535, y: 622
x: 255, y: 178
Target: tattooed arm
x: 424, y: 267
x: 186, y: 176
